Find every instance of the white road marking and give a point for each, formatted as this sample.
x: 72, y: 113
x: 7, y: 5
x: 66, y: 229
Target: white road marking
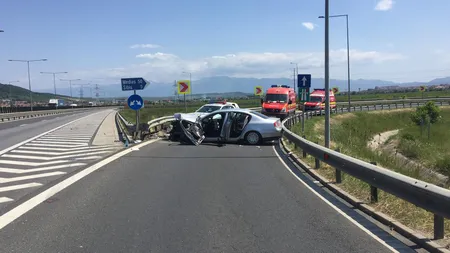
x: 23, y: 125
x: 26, y: 206
x: 18, y: 187
x: 33, y: 163
x: 333, y: 206
x: 14, y: 179
x: 86, y: 148
x: 62, y: 142
x: 42, y: 134
x: 5, y: 199
x: 63, y: 139
x: 60, y: 153
x: 55, y: 145
x: 58, y: 135
x: 88, y: 157
x: 53, y: 157
x: 55, y: 167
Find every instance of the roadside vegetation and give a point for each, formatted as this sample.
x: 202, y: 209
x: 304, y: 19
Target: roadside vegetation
x: 355, y: 96
x: 352, y: 133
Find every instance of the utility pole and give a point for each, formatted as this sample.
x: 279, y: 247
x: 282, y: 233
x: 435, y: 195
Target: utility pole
x: 327, y: 77
x: 54, y: 78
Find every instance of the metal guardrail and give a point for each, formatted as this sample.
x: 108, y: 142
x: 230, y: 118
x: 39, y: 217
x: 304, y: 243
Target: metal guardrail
x: 422, y: 194
x: 22, y: 115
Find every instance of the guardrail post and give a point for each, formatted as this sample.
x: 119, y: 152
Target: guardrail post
x: 342, y: 109
x: 389, y: 106
x: 441, y: 103
x: 360, y: 107
x: 438, y: 227
x: 338, y: 173
x: 382, y: 106
x: 316, y: 160
x: 373, y: 190
x: 368, y: 108
x: 396, y: 106
x: 303, y: 151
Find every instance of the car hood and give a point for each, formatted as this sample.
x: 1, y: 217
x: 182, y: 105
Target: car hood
x: 192, y: 117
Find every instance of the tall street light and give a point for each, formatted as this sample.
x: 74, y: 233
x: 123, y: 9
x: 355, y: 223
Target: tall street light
x: 54, y: 78
x: 190, y: 81
x: 29, y: 79
x: 348, y: 54
x: 10, y: 93
x: 327, y: 76
x: 70, y: 83
x: 296, y: 74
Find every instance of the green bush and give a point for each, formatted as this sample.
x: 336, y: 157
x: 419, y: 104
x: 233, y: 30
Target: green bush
x: 426, y: 113
x: 408, y: 136
x: 410, y: 149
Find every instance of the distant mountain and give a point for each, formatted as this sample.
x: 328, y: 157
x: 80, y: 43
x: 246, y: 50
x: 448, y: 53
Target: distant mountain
x: 21, y: 94
x: 223, y: 84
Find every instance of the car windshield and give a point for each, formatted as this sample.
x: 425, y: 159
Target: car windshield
x: 315, y: 99
x: 208, y: 108
x: 259, y: 114
x: 282, y: 98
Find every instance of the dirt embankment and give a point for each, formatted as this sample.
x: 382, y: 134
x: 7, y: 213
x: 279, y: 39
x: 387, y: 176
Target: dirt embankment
x: 383, y: 143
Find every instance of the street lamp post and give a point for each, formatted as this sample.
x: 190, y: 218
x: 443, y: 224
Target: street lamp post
x: 10, y: 93
x: 296, y: 74
x: 348, y: 55
x: 54, y: 78
x: 70, y: 84
x: 29, y: 79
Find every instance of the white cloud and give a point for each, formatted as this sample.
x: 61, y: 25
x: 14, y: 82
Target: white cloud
x: 309, y: 25
x: 163, y: 67
x: 384, y: 5
x: 145, y: 46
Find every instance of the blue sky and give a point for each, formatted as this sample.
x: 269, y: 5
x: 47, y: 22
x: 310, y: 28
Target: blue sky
x: 92, y: 39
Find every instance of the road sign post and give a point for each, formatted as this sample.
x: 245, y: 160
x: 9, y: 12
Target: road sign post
x: 304, y: 84
x: 135, y: 102
x: 184, y: 87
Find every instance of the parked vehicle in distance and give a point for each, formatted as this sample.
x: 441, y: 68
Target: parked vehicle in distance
x: 56, y: 102
x: 280, y: 101
x: 223, y: 126
x: 317, y: 100
x: 214, y: 106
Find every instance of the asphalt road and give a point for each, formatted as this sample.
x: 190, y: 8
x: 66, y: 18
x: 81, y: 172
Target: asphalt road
x: 168, y: 197
x: 15, y: 131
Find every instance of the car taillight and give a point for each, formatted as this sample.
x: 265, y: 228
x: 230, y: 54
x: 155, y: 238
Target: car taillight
x: 277, y: 124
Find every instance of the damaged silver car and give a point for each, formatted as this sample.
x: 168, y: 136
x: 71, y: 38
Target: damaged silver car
x: 226, y: 126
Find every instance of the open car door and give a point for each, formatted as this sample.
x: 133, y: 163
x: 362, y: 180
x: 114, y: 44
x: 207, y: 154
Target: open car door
x: 192, y: 131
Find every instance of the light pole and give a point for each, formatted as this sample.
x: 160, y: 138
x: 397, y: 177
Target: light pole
x: 54, y: 78
x: 190, y: 81
x: 10, y: 93
x: 70, y: 84
x: 327, y: 76
x: 296, y: 74
x: 29, y: 79
x: 348, y: 54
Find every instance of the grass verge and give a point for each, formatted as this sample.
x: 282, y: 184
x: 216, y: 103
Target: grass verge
x: 351, y: 133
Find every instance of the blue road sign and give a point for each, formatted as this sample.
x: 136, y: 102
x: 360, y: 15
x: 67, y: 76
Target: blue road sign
x: 135, y: 102
x: 304, y: 81
x: 135, y: 83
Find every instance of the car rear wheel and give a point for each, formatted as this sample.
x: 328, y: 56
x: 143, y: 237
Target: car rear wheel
x: 253, y: 138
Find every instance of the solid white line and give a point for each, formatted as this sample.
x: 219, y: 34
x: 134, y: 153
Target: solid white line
x: 5, y: 199
x: 53, y: 157
x: 87, y: 148
x: 33, y: 163
x: 88, y: 157
x: 23, y: 125
x: 21, y: 151
x: 23, y: 171
x: 333, y: 206
x: 62, y: 142
x: 42, y: 134
x: 18, y: 187
x: 26, y: 206
x: 55, y: 145
x: 14, y: 179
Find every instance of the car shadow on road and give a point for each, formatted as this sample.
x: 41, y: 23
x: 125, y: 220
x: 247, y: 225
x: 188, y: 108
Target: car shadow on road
x: 219, y: 145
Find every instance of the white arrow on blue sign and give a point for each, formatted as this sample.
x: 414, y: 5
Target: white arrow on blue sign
x: 135, y: 83
x: 304, y: 80
x: 135, y: 102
